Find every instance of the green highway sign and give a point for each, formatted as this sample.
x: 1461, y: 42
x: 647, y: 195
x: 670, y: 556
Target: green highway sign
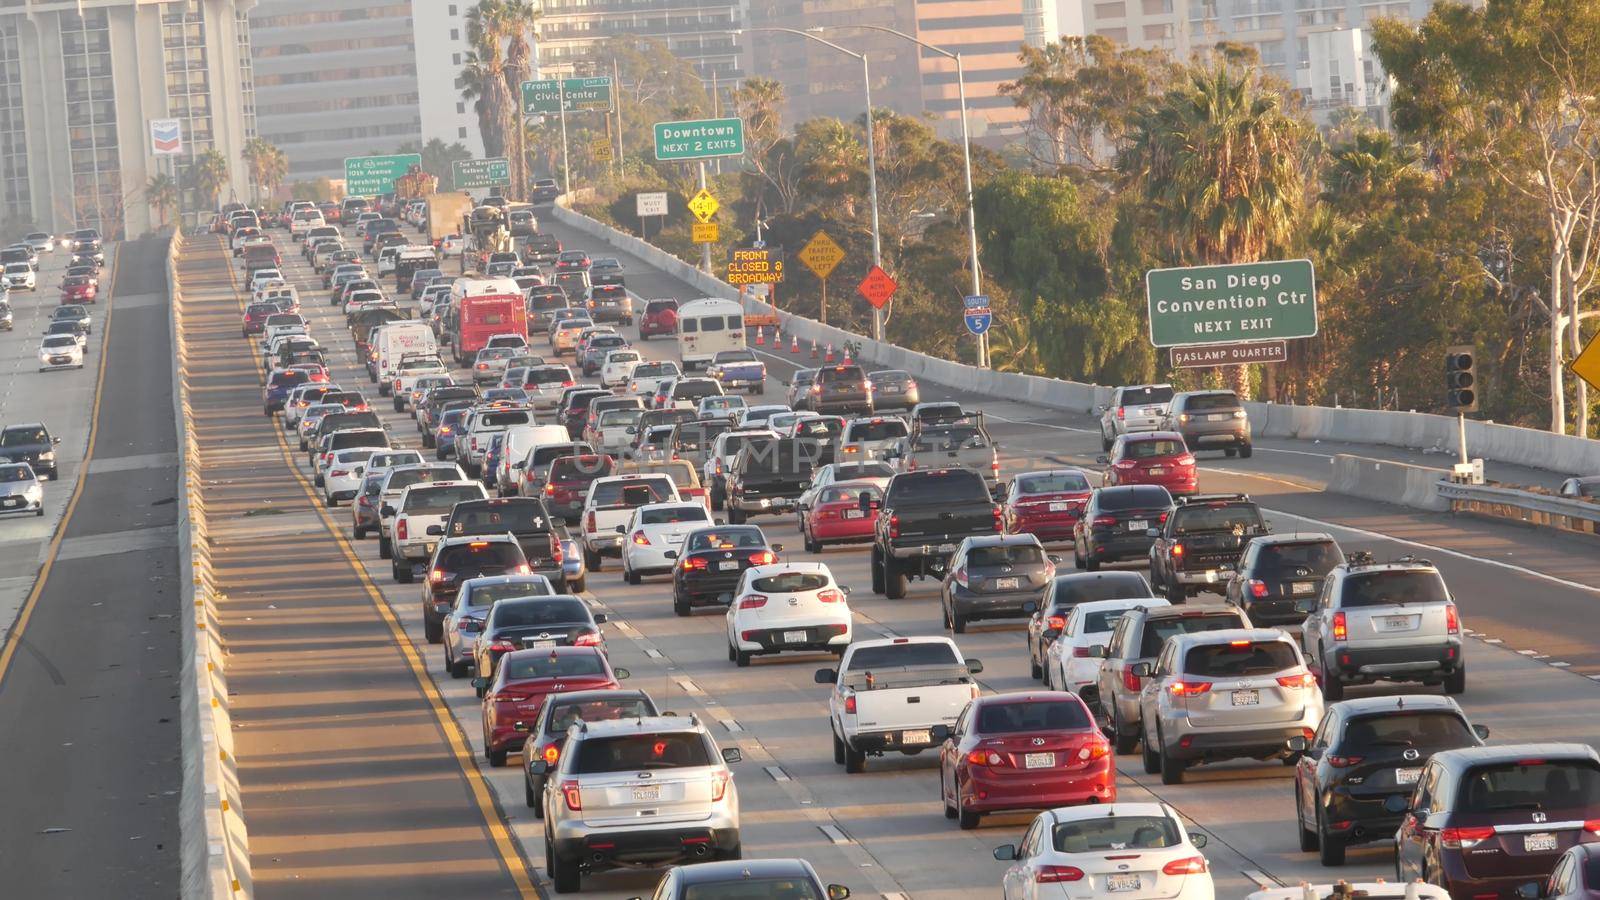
x: 699, y: 139
x: 1231, y: 304
x: 544, y: 98
x: 368, y: 175
x: 481, y: 173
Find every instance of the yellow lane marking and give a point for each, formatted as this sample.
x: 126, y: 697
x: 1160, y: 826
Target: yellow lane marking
x: 14, y: 640
x: 510, y: 856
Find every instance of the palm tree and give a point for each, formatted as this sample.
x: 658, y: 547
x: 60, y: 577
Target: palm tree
x: 1221, y: 166
x: 274, y: 170
x: 499, y: 111
x: 161, y: 192
x: 516, y: 20
x: 257, y: 155
x: 473, y: 80
x: 209, y: 175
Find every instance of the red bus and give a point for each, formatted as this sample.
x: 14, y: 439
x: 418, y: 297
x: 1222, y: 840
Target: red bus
x: 484, y: 307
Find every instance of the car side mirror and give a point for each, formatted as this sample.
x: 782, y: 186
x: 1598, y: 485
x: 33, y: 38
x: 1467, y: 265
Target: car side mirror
x: 940, y: 733
x: 1103, y: 460
x: 55, y: 440
x: 731, y: 755
x: 631, y: 430
x: 1305, y: 606
x: 520, y: 464
x: 599, y: 618
x: 1152, y: 532
x: 520, y: 727
x: 864, y: 500
x: 826, y: 676
x: 725, y: 599
x: 434, y: 530
x: 480, y: 683
x: 1482, y: 731
x: 778, y: 548
x: 1397, y: 803
x: 845, y: 588
x: 1199, y: 841
x: 670, y: 554
x: 1529, y: 891
x: 1098, y: 651
x: 386, y: 510
x: 1297, y: 743
x: 1141, y: 669
x: 1029, y: 608
x: 1005, y: 852
x: 838, y: 892
x: 539, y: 767
x: 974, y: 666
x: 621, y: 673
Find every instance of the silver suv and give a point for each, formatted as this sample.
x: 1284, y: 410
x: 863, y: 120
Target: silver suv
x: 1225, y: 695
x: 1391, y: 621
x: 629, y: 792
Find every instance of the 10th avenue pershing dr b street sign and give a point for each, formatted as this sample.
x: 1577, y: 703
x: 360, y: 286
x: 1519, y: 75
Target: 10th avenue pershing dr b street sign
x: 368, y: 175
x: 699, y: 139
x: 1232, y: 304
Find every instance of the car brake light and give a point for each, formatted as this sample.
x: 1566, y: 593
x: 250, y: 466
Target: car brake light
x: 996, y: 514
x: 1100, y: 748
x: 551, y: 754
x: 1344, y: 762
x: 1189, y: 688
x: 1055, y: 623
x: 894, y: 526
x: 1057, y: 874
x: 468, y: 623
x: 1192, y: 865
x: 985, y: 758
x: 592, y: 526
x: 1341, y: 630
x: 1462, y: 838
x: 1130, y: 681
x: 557, y: 555
x: 1592, y: 826
x: 1452, y: 622
x: 1185, y: 460
x: 502, y: 647
x: 510, y: 698
x: 850, y: 704
x: 1105, y: 520
x: 436, y: 576
x: 829, y: 596
x: 400, y: 529
x: 569, y: 790
x: 1303, y: 680
x: 1258, y: 588
x: 1122, y: 413
x: 641, y: 539
x: 1177, y: 549
x: 753, y: 601
x: 338, y: 473
x: 695, y: 562
x: 587, y: 640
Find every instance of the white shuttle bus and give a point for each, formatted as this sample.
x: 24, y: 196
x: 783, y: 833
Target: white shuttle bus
x: 706, y: 327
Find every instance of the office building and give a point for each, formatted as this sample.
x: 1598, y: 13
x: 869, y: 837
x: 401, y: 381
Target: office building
x: 821, y: 81
x: 570, y: 29
x: 988, y: 34
x: 78, y: 92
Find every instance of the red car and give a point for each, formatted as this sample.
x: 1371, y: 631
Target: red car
x: 660, y: 317
x: 837, y: 518
x: 1047, y: 503
x: 255, y: 317
x: 1024, y: 751
x: 1152, y: 457
x: 522, y: 681
x: 79, y: 289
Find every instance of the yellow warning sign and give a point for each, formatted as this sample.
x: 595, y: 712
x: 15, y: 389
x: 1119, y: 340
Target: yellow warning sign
x: 707, y: 233
x: 601, y: 150
x: 1587, y: 365
x: 704, y: 206
x: 821, y: 254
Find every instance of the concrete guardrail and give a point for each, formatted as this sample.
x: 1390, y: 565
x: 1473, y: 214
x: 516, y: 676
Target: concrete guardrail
x: 1542, y: 510
x: 215, y: 848
x: 1386, y: 481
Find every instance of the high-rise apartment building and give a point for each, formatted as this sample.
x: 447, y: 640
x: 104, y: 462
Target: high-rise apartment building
x: 821, y: 81
x: 988, y: 34
x: 569, y: 30
x: 79, y: 84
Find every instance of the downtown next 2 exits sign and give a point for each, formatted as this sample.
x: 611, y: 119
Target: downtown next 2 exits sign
x: 1231, y: 304
x: 699, y: 139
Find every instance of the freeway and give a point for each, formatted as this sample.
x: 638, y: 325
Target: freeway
x: 89, y: 672
x: 361, y: 758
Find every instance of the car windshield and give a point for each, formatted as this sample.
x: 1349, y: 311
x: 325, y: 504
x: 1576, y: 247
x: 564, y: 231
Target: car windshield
x: 1237, y: 518
x: 553, y: 665
x: 926, y: 653
x: 1239, y: 659
x: 16, y: 473
x: 726, y: 539
x: 635, y: 752
x: 57, y: 340
x: 441, y: 499
x: 1206, y: 402
x: 490, y: 594
x: 672, y: 515
x: 1102, y: 833
x: 1530, y: 784
x: 790, y: 583
x: 563, y: 715
x: 1151, y: 448
x: 1032, y: 716
x: 1133, y: 497
x: 796, y: 887
x: 1427, y: 730
x: 1148, y: 394
x: 517, y: 517
x: 1315, y: 557
x: 1052, y: 483
x: 551, y: 611
x: 1395, y: 588
x: 1156, y: 631
x: 17, y: 437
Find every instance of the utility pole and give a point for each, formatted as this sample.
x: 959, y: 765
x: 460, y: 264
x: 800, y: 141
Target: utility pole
x: 705, y: 249
x: 616, y: 106
x: 872, y: 192
x: 566, y: 164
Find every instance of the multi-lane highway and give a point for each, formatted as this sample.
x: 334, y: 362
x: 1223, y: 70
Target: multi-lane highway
x: 361, y: 758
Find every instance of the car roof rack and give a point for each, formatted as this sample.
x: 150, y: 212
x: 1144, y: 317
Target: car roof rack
x: 1357, y: 559
x: 1199, y: 499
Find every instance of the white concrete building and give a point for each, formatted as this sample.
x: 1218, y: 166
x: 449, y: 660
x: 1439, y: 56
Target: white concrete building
x: 440, y: 40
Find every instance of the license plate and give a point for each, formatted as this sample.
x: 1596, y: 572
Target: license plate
x: 1246, y: 698
x: 947, y: 548
x: 430, y: 547
x: 675, y: 538
x: 1158, y: 471
x: 1060, y: 506
x: 1407, y: 776
x: 646, y: 792
x: 852, y: 514
x: 915, y: 737
x: 539, y: 645
x: 1122, y: 881
x: 1039, y: 760
x: 794, y: 637
x: 1220, y: 417
x: 1005, y: 584
x: 1138, y: 525
x: 1396, y: 623
x: 13, y: 501
x: 1305, y: 587
x: 728, y: 566
x: 1542, y: 842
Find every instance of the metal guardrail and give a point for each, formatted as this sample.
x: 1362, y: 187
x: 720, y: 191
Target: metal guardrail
x: 1523, y: 506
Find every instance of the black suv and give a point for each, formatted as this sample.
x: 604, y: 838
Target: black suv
x: 1365, y: 752
x: 30, y: 443
x: 1197, y: 548
x: 525, y: 518
x: 1116, y: 524
x: 1280, y: 576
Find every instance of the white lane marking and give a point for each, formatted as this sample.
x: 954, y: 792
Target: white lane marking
x: 777, y: 773
x: 689, y: 687
x: 1495, y: 641
x: 834, y: 834
x: 1260, y: 878
x: 1560, y: 665
x: 731, y: 724
x: 653, y: 653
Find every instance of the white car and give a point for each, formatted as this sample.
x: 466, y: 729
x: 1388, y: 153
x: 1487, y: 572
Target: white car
x: 725, y: 406
x: 20, y: 490
x: 1068, y: 665
x: 40, y: 242
x: 419, y: 519
x: 611, y: 431
x: 545, y: 384
x: 759, y: 416
x: 610, y: 502
x: 618, y: 367
x: 787, y: 606
x: 343, y: 478
x: 19, y: 276
x: 263, y: 277
x: 1140, y: 407
x: 646, y: 377
x: 1140, y: 851
x: 60, y: 351
x: 381, y: 461
x: 654, y: 535
x: 508, y: 339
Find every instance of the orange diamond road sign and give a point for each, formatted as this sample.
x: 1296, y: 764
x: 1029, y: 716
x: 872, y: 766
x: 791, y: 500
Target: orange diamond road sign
x: 1587, y: 364
x: 877, y: 287
x: 821, y: 255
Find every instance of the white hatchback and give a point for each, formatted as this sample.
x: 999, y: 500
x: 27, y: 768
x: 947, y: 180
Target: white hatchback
x: 618, y: 367
x: 1068, y: 663
x: 60, y: 351
x: 788, y: 606
x: 654, y: 536
x: 344, y: 475
x: 1139, y: 851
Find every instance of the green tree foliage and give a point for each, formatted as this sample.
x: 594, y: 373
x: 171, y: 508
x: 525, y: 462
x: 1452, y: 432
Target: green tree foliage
x: 437, y: 157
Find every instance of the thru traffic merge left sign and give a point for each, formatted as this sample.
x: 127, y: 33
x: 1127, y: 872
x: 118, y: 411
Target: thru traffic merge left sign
x: 821, y: 255
x: 877, y: 287
x: 704, y: 206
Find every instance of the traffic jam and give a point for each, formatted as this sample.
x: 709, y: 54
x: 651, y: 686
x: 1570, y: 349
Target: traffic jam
x: 519, y: 441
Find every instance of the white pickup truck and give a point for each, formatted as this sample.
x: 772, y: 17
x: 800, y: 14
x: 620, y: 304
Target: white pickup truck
x: 419, y: 518
x: 609, y: 505
x: 404, y: 377
x: 896, y: 694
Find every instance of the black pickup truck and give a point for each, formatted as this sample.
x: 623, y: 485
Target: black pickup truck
x: 923, y: 518
x: 767, y: 477
x: 1198, y: 547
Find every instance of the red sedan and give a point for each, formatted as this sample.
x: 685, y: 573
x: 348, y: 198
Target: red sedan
x: 79, y: 289
x: 837, y: 518
x: 1024, y: 751
x: 1046, y: 504
x: 522, y: 681
x: 1153, y: 457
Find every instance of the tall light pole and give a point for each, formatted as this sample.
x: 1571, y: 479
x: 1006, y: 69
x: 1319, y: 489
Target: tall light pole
x: 966, y: 153
x: 872, y: 149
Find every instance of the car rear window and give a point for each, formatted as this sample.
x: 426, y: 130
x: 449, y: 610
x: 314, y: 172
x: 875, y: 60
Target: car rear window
x: 1070, y: 590
x: 491, y: 554
x: 1052, y: 483
x: 517, y: 517
x: 1529, y: 784
x: 695, y: 388
x: 563, y: 715
x: 841, y: 375
x: 736, y: 442
x: 1032, y: 716
x: 634, y: 752
x: 1101, y: 621
x: 550, y: 375
x: 1239, y: 659
x: 344, y: 439
x: 1239, y: 518
x: 848, y: 494
x: 553, y: 665
x: 441, y: 499
x: 1156, y: 631
x: 790, y: 582
x: 1395, y: 730
x: 932, y: 653
x: 636, y: 492
x: 888, y: 429
x: 490, y: 594
x: 727, y: 539
x: 578, y: 468
x: 1141, y: 395
x: 1397, y: 588
x: 1133, y: 497
x: 1204, y: 402
x: 949, y: 486
x: 820, y: 429
x: 951, y: 437
x: 552, y: 611
x: 1014, y: 555
x: 673, y: 515
x: 1150, y: 448
x: 1318, y: 557
x: 1115, y: 833
x: 503, y: 419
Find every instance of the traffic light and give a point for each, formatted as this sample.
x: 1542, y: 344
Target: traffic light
x: 1460, y: 382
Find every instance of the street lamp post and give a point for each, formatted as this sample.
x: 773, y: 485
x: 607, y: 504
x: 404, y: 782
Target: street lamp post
x: 966, y: 153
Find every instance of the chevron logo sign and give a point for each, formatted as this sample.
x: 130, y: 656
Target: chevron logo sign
x: 166, y: 137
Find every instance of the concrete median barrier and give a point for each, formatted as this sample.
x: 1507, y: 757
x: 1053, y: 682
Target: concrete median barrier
x: 1389, y: 482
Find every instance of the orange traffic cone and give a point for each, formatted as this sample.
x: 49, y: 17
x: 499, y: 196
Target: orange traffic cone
x: 794, y: 343
x: 761, y: 337
x: 828, y: 357
x: 813, y: 349
x: 847, y: 357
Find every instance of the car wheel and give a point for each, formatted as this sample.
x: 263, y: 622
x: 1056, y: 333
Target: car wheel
x: 967, y: 820
x: 497, y: 758
x: 1176, y: 595
x: 855, y: 761
x: 564, y: 874
x: 1308, y: 837
x: 317, y: 480
x: 1152, y: 761
x: 1035, y: 671
x: 577, y: 585
x: 1456, y: 682
x: 811, y: 545
x: 328, y: 501
x: 402, y: 570
x: 432, y: 629
x: 1124, y: 739
x: 680, y: 608
x: 1246, y: 451
x: 741, y: 658
x: 1171, y: 767
x: 734, y: 852
x: 1077, y: 557
x: 591, y: 560
x: 630, y: 576
x: 1090, y: 564
x: 1332, y: 687
x: 1331, y: 845
x: 877, y: 572
x: 949, y: 808
x: 894, y: 580
x: 358, y: 532
x: 385, y: 549
x: 958, y: 622
x: 427, y: 440
x: 456, y: 667
x: 39, y: 511
x: 533, y: 798
x: 735, y: 516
